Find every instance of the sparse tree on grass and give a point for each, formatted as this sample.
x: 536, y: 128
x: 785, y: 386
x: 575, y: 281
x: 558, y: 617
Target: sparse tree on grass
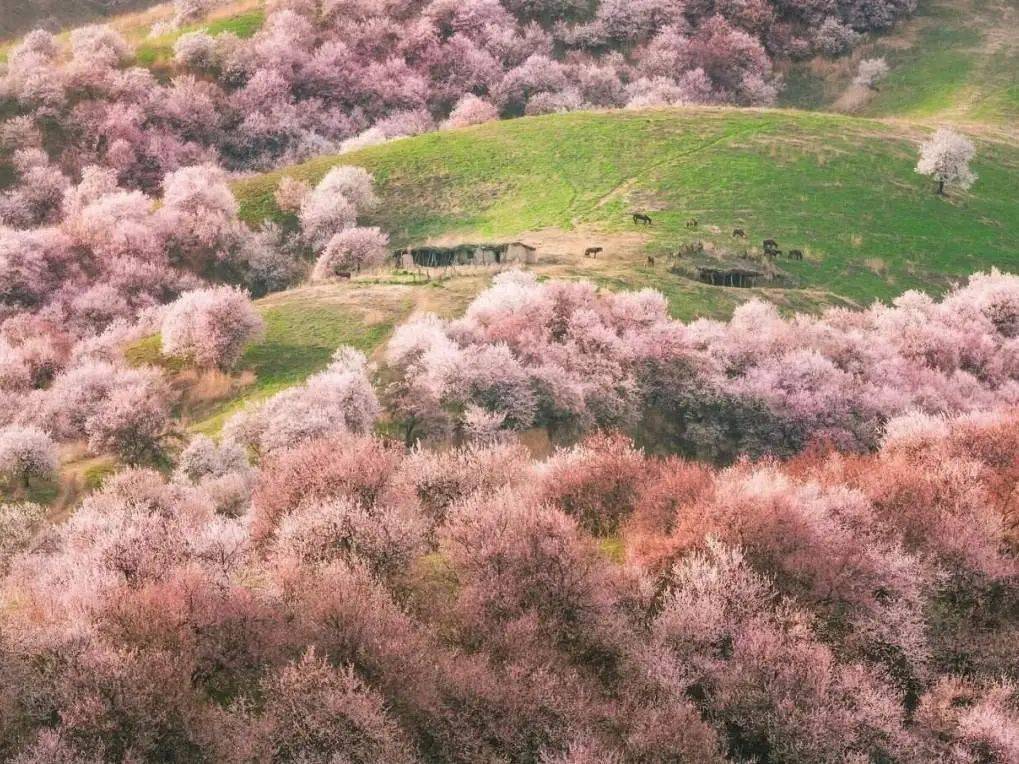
x: 871, y: 72
x: 210, y: 327
x: 946, y: 157
x: 352, y: 250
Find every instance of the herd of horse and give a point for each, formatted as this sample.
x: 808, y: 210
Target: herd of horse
x: 770, y: 246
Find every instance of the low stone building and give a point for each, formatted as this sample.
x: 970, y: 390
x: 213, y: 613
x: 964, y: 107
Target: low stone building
x: 465, y: 254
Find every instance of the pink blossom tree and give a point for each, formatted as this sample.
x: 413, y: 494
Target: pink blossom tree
x: 338, y: 400
x: 25, y: 453
x: 335, y: 203
x: 210, y: 327
x: 470, y: 110
x: 352, y: 250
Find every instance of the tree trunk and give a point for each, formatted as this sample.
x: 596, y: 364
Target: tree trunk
x: 408, y: 438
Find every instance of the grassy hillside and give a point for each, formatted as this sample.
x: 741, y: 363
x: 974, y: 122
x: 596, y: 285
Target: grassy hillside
x: 303, y: 328
x: 20, y: 16
x: 841, y: 189
x: 240, y: 17
x: 956, y: 60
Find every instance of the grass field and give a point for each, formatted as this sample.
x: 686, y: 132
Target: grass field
x: 841, y: 189
x: 303, y: 328
x: 240, y: 17
x: 955, y: 60
x: 20, y: 16
x: 157, y: 52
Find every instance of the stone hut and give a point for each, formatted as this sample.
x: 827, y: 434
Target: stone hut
x: 518, y: 252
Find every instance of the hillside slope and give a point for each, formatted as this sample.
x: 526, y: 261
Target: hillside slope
x: 954, y: 61
x: 20, y: 16
x: 841, y: 189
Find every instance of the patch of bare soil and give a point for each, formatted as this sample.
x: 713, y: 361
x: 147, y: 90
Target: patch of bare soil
x: 560, y: 252
x: 853, y: 98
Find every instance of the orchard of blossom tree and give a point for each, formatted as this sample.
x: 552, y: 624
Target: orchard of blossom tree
x: 321, y: 75
x: 347, y: 599
x: 271, y: 490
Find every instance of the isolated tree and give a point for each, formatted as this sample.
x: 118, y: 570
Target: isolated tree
x: 352, y: 250
x: 25, y: 453
x: 946, y: 157
x: 870, y: 72
x: 210, y: 327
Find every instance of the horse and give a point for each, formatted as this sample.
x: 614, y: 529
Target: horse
x: 592, y: 251
x: 692, y: 223
x: 739, y: 233
x: 770, y: 244
x: 651, y: 261
x: 795, y: 254
x: 640, y: 217
x: 343, y: 275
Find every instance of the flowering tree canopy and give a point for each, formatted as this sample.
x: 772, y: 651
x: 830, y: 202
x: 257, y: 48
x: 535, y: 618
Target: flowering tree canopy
x: 210, y: 327
x: 946, y: 157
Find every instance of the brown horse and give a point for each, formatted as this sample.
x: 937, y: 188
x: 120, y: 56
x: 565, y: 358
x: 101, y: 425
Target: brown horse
x: 651, y: 261
x: 795, y: 254
x: 640, y: 217
x: 739, y: 233
x: 592, y: 251
x: 692, y: 223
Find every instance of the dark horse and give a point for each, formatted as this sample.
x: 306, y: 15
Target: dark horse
x: 692, y: 223
x: 640, y: 217
x: 739, y: 233
x: 795, y: 254
x: 592, y: 251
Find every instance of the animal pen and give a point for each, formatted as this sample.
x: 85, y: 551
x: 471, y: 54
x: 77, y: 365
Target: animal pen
x: 466, y: 254
x: 730, y: 277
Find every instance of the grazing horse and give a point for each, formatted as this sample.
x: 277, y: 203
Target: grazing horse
x: 651, y: 261
x: 343, y: 275
x: 640, y: 217
x: 692, y: 223
x: 739, y: 233
x: 592, y: 251
x: 795, y: 254
x: 770, y: 244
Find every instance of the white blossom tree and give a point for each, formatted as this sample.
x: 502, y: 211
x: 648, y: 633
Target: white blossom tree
x: 946, y: 157
x: 870, y: 72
